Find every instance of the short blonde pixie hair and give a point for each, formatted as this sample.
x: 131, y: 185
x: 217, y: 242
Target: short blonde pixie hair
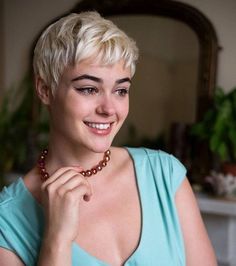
x: 77, y: 37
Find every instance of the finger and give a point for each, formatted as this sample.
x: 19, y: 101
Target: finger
x: 85, y: 182
x: 82, y: 191
x: 73, y: 182
x: 61, y: 175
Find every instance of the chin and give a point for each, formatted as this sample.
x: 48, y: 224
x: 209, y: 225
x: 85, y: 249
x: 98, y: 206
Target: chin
x: 100, y: 144
x: 100, y: 147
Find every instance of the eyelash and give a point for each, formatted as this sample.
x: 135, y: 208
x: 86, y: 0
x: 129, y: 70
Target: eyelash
x: 91, y: 91
x: 122, y: 92
x: 87, y: 90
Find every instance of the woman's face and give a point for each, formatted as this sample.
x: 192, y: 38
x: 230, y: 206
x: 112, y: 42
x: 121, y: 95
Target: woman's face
x: 90, y: 104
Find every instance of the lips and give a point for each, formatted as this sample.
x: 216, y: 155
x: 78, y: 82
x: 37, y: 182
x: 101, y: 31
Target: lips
x: 101, y: 129
x: 100, y: 126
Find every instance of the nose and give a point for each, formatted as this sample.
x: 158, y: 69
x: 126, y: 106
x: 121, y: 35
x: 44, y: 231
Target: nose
x: 105, y: 106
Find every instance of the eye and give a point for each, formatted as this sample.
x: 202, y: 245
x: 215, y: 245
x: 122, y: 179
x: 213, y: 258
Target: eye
x: 87, y: 90
x: 122, y: 92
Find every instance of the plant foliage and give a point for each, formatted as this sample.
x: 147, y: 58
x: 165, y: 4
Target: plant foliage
x: 23, y: 126
x: 218, y: 125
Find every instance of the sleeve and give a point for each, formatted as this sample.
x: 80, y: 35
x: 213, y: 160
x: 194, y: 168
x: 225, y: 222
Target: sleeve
x: 178, y: 173
x: 5, y: 222
x: 167, y: 170
x: 14, y: 234
x: 4, y: 242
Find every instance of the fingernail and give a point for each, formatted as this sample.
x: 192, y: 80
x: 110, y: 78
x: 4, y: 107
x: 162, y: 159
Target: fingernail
x: 86, y: 198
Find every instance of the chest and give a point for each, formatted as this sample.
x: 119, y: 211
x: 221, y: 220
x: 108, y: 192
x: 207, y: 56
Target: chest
x: 110, y: 225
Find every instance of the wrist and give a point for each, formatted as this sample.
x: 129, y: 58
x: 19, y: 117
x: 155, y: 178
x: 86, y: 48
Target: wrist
x: 54, y: 251
x: 56, y: 241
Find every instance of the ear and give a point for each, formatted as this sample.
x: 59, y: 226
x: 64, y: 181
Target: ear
x: 42, y: 90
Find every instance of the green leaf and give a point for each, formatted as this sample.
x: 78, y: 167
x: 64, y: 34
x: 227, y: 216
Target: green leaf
x: 221, y: 150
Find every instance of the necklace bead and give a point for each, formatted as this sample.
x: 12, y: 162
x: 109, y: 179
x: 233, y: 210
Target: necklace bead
x: 86, y: 173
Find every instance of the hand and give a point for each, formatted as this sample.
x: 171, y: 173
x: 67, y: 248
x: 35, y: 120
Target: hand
x: 62, y: 193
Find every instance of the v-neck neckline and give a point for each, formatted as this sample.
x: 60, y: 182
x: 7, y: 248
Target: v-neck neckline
x: 141, y: 233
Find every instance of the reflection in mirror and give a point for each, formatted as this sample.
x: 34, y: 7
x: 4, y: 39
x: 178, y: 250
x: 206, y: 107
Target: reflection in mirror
x: 164, y: 88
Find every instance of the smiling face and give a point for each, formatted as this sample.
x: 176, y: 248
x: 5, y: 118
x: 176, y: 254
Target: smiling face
x: 90, y: 105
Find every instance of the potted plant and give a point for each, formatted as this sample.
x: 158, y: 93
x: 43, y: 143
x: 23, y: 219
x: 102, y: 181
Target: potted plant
x: 218, y: 129
x: 23, y: 126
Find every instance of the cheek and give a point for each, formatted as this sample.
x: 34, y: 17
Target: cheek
x: 76, y: 108
x: 127, y: 110
x: 124, y: 109
x: 65, y: 113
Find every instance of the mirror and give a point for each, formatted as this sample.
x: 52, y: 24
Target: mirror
x: 181, y: 103
x: 165, y: 83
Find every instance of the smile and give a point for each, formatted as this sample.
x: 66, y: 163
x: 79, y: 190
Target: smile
x: 101, y: 126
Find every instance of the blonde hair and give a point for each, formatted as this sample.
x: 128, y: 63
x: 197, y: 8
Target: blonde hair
x: 77, y: 37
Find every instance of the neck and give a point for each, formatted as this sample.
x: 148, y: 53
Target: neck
x: 64, y: 155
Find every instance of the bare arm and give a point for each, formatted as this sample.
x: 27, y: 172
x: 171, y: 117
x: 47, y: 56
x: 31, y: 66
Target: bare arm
x: 198, y: 248
x: 54, y: 253
x: 7, y: 258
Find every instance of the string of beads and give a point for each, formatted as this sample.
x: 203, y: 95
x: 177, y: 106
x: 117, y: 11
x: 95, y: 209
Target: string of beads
x: 86, y: 173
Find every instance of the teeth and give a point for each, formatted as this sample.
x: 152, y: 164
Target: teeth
x: 98, y: 126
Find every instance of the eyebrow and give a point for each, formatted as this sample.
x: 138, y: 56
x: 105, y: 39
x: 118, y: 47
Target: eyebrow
x: 99, y: 80
x: 119, y: 81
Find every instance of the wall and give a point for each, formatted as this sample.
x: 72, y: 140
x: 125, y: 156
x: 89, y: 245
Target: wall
x: 19, y: 33
x: 166, y: 75
x: 1, y: 46
x: 23, y: 20
x: 222, y: 15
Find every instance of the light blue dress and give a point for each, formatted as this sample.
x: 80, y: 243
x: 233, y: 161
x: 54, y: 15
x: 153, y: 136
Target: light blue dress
x: 158, y: 176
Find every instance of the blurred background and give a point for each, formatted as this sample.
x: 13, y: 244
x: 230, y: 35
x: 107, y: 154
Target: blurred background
x: 183, y: 96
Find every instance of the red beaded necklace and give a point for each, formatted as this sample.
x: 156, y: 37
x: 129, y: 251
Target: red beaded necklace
x: 87, y: 173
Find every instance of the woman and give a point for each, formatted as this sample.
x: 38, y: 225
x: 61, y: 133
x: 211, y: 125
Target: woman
x: 87, y: 203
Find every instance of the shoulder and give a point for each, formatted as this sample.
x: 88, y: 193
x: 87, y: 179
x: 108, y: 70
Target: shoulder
x: 17, y: 204
x: 163, y: 158
x: 13, y: 202
x: 10, y: 193
x: 10, y: 198
x: 164, y: 167
x: 21, y: 221
x: 146, y: 152
x: 18, y: 189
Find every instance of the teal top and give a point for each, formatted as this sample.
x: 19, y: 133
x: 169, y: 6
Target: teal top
x: 158, y: 176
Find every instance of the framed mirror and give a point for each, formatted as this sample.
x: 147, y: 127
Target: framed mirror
x: 177, y: 67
